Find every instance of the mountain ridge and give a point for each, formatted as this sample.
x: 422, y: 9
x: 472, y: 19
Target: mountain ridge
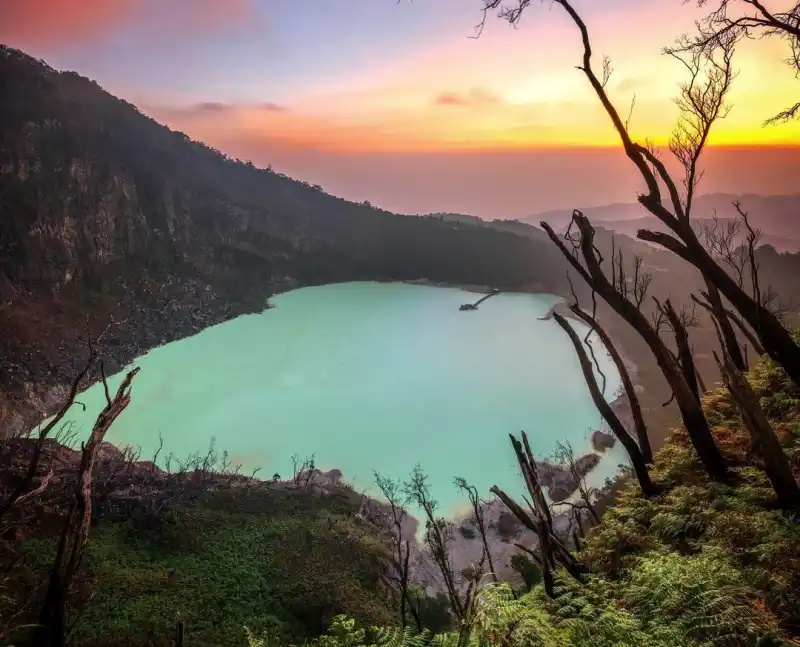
x: 117, y: 228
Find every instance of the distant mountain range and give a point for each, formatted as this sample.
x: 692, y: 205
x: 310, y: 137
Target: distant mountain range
x: 778, y: 216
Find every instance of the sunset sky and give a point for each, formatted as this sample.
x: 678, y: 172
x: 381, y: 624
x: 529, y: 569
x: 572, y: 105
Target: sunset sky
x: 394, y: 102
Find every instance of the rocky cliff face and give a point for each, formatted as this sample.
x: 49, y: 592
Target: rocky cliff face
x: 117, y: 228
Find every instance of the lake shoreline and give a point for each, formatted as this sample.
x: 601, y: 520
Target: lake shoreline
x: 619, y: 404
x: 502, y: 540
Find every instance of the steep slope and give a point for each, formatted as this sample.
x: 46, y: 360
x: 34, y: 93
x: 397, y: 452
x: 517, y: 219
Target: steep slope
x: 107, y: 215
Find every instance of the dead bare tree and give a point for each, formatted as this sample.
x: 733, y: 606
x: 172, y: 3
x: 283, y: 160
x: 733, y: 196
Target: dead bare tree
x: 478, y: 504
x: 565, y: 455
x: 766, y: 297
x: 734, y: 243
x: 639, y: 425
x: 743, y: 19
x: 26, y: 483
x: 552, y: 550
x: 611, y: 418
x: 682, y: 239
x: 701, y: 104
x: 765, y: 442
x: 302, y: 470
x: 50, y: 632
x: 310, y: 470
x: 629, y: 309
x: 401, y: 547
x: 438, y: 536
x: 679, y: 324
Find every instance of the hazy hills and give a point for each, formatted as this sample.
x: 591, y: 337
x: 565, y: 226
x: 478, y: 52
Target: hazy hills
x: 778, y: 216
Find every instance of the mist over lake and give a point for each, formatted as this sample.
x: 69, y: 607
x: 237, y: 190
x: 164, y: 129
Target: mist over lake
x: 369, y: 377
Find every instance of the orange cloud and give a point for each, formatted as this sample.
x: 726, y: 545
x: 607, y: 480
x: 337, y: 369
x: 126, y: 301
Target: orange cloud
x: 448, y: 124
x: 38, y: 23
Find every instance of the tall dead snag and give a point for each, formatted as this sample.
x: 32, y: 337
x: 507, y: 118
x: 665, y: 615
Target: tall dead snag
x: 478, y: 505
x: 706, y: 101
x: 736, y: 249
x: 639, y: 425
x: 680, y: 324
x: 401, y: 547
x: 50, y: 631
x: 24, y: 488
x: 611, y: 418
x: 592, y: 273
x: 538, y: 525
x: 765, y: 442
x: 552, y: 549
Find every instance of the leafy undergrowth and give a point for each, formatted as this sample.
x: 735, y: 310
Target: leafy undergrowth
x: 284, y: 562
x: 700, y: 565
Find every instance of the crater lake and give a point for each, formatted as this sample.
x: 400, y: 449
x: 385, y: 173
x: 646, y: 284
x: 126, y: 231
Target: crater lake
x: 369, y: 377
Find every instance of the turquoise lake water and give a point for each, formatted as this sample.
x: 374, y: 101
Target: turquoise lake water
x: 368, y: 376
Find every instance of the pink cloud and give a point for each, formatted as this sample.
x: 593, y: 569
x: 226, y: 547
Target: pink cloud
x: 40, y: 23
x: 477, y: 97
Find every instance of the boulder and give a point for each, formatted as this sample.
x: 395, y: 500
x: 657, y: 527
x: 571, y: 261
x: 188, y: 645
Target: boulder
x: 559, y: 482
x: 602, y: 441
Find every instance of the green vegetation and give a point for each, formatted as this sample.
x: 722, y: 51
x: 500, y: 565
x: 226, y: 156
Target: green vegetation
x: 284, y: 561
x: 704, y: 552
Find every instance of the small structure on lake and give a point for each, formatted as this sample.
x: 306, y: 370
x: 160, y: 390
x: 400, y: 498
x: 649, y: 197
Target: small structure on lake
x: 474, y: 306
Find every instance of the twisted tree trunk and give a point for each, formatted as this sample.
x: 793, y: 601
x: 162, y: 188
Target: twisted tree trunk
x: 51, y: 629
x: 627, y: 383
x: 634, y: 453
